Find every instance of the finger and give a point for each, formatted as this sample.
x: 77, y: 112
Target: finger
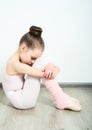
x: 50, y: 74
x: 45, y: 74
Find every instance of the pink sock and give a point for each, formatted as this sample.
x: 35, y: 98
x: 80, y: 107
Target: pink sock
x: 61, y: 99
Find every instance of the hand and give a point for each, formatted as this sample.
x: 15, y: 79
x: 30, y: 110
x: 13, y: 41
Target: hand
x: 50, y: 71
x: 55, y: 72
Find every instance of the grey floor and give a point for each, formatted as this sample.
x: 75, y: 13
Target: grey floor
x: 45, y: 116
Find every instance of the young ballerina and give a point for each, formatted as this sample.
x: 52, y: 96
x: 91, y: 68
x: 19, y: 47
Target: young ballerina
x: 22, y: 75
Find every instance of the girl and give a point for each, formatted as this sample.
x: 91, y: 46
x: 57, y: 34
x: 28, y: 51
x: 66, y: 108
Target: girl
x: 22, y: 75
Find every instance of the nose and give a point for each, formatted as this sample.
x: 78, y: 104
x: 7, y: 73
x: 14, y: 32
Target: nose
x: 32, y: 61
x: 31, y: 64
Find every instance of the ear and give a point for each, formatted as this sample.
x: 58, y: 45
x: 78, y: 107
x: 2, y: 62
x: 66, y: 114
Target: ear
x: 23, y: 47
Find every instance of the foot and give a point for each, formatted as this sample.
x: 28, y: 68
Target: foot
x: 69, y: 103
x: 74, y: 105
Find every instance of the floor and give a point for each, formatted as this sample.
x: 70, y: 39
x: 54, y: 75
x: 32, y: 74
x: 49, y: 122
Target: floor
x: 45, y: 116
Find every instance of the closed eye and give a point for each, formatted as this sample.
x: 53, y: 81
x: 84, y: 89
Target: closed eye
x: 33, y: 58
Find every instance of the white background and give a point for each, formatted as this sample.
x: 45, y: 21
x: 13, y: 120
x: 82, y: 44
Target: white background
x: 67, y: 32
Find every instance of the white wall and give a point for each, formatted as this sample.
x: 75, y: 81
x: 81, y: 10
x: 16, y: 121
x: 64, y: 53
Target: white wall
x: 67, y: 30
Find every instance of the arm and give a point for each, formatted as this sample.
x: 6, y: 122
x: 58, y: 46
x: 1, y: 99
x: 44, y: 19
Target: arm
x: 21, y: 68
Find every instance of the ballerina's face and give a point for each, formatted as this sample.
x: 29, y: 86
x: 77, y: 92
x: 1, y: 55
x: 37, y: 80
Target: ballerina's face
x: 28, y: 55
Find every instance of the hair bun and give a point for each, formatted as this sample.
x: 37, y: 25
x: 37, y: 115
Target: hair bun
x: 35, y: 31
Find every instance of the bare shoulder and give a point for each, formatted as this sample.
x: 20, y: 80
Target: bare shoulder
x: 10, y: 66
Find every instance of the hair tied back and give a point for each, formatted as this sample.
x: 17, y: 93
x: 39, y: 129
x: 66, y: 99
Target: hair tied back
x: 35, y: 31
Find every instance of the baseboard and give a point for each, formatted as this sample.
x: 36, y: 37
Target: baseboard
x: 70, y: 84
x: 76, y: 84
x: 0, y: 84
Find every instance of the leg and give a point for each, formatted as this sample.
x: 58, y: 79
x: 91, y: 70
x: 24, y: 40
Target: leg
x: 27, y: 97
x: 61, y: 99
x: 30, y: 92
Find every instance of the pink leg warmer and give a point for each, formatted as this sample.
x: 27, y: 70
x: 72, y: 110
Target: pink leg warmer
x: 61, y: 99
